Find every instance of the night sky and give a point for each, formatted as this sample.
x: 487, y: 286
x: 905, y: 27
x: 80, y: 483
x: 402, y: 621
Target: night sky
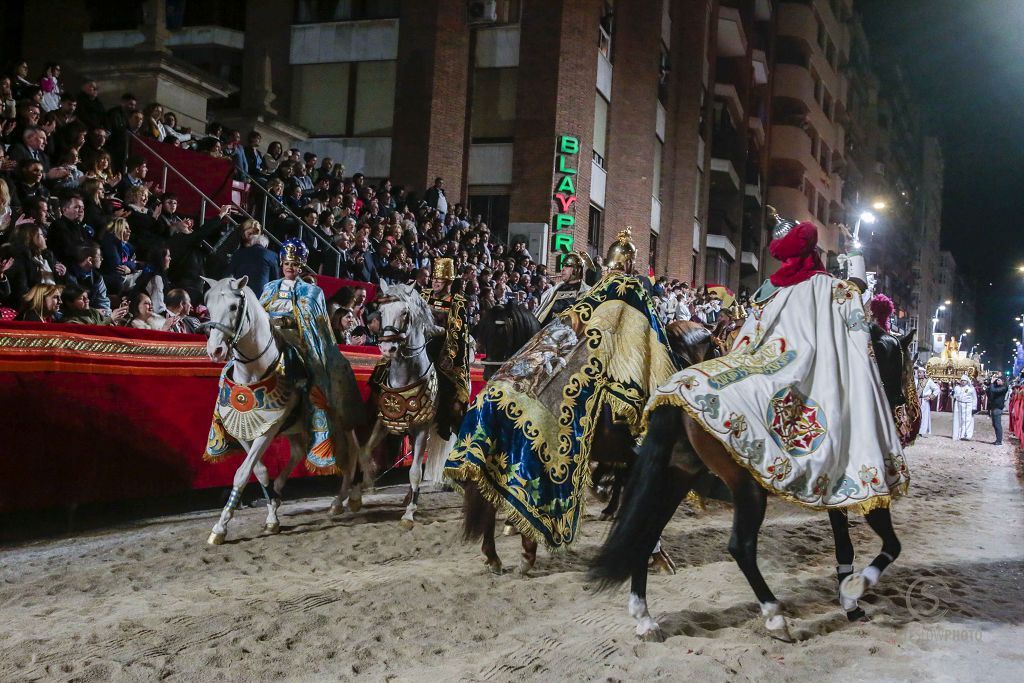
x: 965, y: 63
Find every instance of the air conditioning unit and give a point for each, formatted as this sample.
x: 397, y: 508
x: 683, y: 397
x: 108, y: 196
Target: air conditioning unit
x: 483, y: 11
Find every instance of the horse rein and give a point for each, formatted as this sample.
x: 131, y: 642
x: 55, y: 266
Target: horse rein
x: 390, y: 333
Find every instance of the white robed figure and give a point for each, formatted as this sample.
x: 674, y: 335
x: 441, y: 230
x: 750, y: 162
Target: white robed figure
x: 927, y: 389
x: 965, y: 402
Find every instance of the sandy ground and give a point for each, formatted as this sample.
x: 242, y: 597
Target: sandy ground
x: 358, y: 597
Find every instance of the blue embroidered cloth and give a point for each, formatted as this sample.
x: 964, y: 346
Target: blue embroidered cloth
x: 526, y: 440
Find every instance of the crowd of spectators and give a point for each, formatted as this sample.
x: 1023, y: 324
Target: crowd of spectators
x: 86, y: 236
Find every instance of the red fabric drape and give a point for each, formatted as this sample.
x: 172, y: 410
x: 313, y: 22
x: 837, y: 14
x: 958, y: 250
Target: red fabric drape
x: 212, y: 176
x: 108, y: 413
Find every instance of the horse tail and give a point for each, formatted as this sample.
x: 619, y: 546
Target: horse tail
x: 477, y: 513
x: 636, y: 530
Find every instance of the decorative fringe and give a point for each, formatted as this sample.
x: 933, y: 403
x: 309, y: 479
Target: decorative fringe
x: 470, y: 472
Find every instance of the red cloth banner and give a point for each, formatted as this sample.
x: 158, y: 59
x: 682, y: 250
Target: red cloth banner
x: 214, y: 177
x: 113, y: 413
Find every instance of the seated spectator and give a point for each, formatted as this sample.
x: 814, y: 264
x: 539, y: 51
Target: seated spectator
x: 343, y: 323
x: 368, y: 334
x: 253, y: 259
x: 153, y: 278
x: 179, y: 308
x: 6, y: 214
x: 118, y: 256
x: 142, y: 316
x: 70, y: 231
x: 145, y: 232
x: 21, y: 86
x: 251, y: 156
x: 41, y: 304
x: 97, y: 211
x: 68, y: 160
x: 84, y: 273
x: 136, y: 176
x: 77, y: 308
x: 88, y: 107
x: 273, y: 157
x: 166, y: 214
x: 29, y: 185
x: 211, y: 147
x: 34, y: 263
x: 98, y: 168
x: 153, y: 123
x: 182, y: 135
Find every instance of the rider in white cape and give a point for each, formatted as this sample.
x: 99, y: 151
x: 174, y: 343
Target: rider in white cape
x: 799, y: 401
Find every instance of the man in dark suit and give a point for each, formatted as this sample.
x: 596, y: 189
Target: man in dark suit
x: 69, y: 232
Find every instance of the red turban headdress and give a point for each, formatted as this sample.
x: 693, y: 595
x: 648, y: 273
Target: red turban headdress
x: 798, y: 251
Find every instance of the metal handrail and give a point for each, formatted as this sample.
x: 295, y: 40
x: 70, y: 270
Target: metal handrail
x: 267, y: 197
x: 206, y: 200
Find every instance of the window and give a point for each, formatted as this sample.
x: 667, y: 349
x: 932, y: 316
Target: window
x: 493, y: 208
x: 822, y: 35
x: 345, y: 99
x: 825, y: 158
x: 600, y: 129
x: 822, y: 212
x: 494, y: 105
x: 653, y: 258
x: 716, y: 267
x: 659, y: 150
x: 374, y: 110
x: 664, y: 69
x: 826, y: 104
x: 321, y: 11
x: 809, y: 194
x: 698, y: 197
x: 606, y: 28
x: 594, y: 227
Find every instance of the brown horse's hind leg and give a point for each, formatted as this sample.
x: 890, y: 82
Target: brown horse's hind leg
x: 750, y: 501
x: 529, y: 556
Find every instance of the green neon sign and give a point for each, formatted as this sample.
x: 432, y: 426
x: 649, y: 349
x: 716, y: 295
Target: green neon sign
x: 564, y: 221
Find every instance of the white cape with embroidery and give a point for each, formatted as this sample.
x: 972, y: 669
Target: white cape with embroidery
x: 799, y: 401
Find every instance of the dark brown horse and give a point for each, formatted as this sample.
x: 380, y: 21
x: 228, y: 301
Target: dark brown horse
x: 677, y: 450
x: 504, y: 330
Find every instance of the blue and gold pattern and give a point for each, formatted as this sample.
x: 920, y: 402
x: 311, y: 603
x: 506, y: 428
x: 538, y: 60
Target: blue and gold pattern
x: 526, y: 440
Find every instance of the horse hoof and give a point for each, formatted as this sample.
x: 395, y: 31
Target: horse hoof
x: 407, y: 524
x: 777, y: 628
x: 216, y: 539
x: 857, y: 614
x: 509, y: 530
x: 853, y: 586
x: 494, y: 566
x: 337, y: 509
x: 355, y: 505
x: 606, y: 517
x: 661, y: 563
x: 273, y: 528
x: 525, y: 568
x: 651, y: 635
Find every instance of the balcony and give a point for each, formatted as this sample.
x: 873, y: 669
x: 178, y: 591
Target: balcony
x: 795, y: 83
x: 797, y: 21
x: 732, y: 39
x: 756, y: 129
x: 749, y: 262
x: 791, y: 203
x: 760, y: 67
x: 187, y: 37
x: 728, y: 94
x: 497, y: 47
x: 792, y: 143
x: 725, y: 169
x: 345, y: 41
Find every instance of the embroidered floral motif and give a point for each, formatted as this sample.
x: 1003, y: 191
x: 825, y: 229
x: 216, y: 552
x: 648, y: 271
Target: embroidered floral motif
x: 736, y: 424
x: 843, y: 291
x: 857, y: 321
x: 780, y: 468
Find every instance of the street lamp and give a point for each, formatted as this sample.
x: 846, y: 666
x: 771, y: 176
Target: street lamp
x: 864, y: 217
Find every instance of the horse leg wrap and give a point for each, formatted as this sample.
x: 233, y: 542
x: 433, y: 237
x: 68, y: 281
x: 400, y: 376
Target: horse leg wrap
x: 416, y: 497
x: 849, y: 605
x: 235, y: 499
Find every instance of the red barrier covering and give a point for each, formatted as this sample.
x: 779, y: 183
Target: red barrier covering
x: 114, y: 413
x: 213, y: 176
x: 1017, y: 414
x: 330, y: 285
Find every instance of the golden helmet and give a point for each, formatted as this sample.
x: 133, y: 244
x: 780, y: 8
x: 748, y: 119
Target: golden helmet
x: 444, y: 269
x: 579, y: 262
x: 622, y: 253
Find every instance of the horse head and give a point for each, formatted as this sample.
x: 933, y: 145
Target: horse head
x: 405, y: 320
x: 895, y: 363
x: 230, y: 318
x: 690, y: 342
x: 503, y: 330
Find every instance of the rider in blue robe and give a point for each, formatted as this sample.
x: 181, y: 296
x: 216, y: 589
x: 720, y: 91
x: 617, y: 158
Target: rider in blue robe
x: 527, y: 438
x: 299, y: 316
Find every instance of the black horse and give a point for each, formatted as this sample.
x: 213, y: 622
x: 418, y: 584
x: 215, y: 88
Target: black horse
x: 677, y: 450
x: 502, y: 331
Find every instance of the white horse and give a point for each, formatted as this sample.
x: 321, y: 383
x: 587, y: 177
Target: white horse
x: 240, y: 333
x: 407, y: 395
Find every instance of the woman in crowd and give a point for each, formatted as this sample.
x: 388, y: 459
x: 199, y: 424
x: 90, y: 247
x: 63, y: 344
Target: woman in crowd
x: 34, y: 263
x: 344, y: 324
x: 153, y: 278
x: 118, y: 255
x: 152, y: 122
x: 97, y: 213
x: 273, y: 157
x: 76, y: 309
x: 143, y: 317
x: 21, y: 87
x: 41, y: 304
x: 172, y: 132
x: 98, y: 168
x: 6, y: 215
x: 49, y: 84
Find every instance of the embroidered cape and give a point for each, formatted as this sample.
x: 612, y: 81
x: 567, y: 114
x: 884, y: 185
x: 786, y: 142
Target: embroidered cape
x: 526, y: 439
x: 799, y: 402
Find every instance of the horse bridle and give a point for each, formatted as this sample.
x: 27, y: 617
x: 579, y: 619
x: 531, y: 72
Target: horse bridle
x: 390, y: 333
x: 235, y: 332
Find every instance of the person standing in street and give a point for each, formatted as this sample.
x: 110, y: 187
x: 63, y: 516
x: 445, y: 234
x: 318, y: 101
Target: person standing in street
x: 926, y: 390
x: 996, y: 402
x: 965, y: 402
